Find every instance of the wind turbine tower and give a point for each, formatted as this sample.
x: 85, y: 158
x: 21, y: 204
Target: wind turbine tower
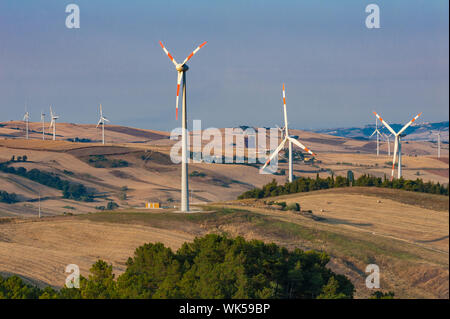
x: 181, y: 69
x: 26, y: 118
x: 54, y: 117
x: 289, y: 139
x: 101, y: 122
x: 387, y: 137
x: 43, y: 125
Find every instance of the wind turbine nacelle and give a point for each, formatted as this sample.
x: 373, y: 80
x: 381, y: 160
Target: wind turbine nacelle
x: 402, y: 135
x: 294, y: 136
x: 182, y: 67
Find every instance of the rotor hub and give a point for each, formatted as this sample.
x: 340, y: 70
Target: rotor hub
x: 182, y: 67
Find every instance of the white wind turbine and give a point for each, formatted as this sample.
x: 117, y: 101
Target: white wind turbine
x: 378, y: 136
x: 398, y: 143
x: 53, y: 117
x: 287, y: 138
x: 26, y: 118
x: 101, y: 122
x: 181, y: 69
x: 43, y: 125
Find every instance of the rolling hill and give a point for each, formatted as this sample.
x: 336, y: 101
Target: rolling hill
x: 405, y: 233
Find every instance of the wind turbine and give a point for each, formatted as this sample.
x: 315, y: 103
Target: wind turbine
x: 43, y: 125
x: 26, y: 118
x: 101, y: 121
x: 181, y: 69
x: 439, y: 142
x: 54, y: 117
x: 387, y: 137
x: 287, y: 138
x: 378, y: 136
x: 398, y: 143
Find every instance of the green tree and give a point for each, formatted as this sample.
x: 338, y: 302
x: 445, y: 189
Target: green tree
x: 100, y: 284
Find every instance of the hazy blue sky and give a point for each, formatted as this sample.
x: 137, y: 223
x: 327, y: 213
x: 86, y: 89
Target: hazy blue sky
x: 335, y: 69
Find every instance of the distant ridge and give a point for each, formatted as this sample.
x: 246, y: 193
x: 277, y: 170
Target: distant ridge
x: 418, y: 132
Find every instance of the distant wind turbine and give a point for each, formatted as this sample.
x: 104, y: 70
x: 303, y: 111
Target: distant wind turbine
x: 26, y: 118
x: 43, y: 125
x: 54, y: 117
x: 287, y: 138
x: 398, y: 143
x: 378, y: 136
x: 101, y: 122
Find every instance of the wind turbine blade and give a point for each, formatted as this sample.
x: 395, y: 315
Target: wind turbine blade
x: 180, y: 75
x: 99, y: 122
x: 51, y: 111
x: 105, y: 119
x: 409, y: 123
x: 168, y: 54
x: 285, y: 111
x: 274, y: 153
x: 194, y: 52
x: 51, y: 123
x: 385, y: 124
x: 394, y: 157
x: 293, y: 140
x: 101, y: 111
x: 373, y: 133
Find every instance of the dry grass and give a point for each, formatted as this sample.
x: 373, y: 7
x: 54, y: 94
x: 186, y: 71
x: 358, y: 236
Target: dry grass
x: 40, y: 250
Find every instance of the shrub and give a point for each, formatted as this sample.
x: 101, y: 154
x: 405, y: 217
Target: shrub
x: 8, y: 198
x: 112, y: 205
x: 281, y: 204
x: 198, y: 174
x: 294, y: 207
x: 382, y: 295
